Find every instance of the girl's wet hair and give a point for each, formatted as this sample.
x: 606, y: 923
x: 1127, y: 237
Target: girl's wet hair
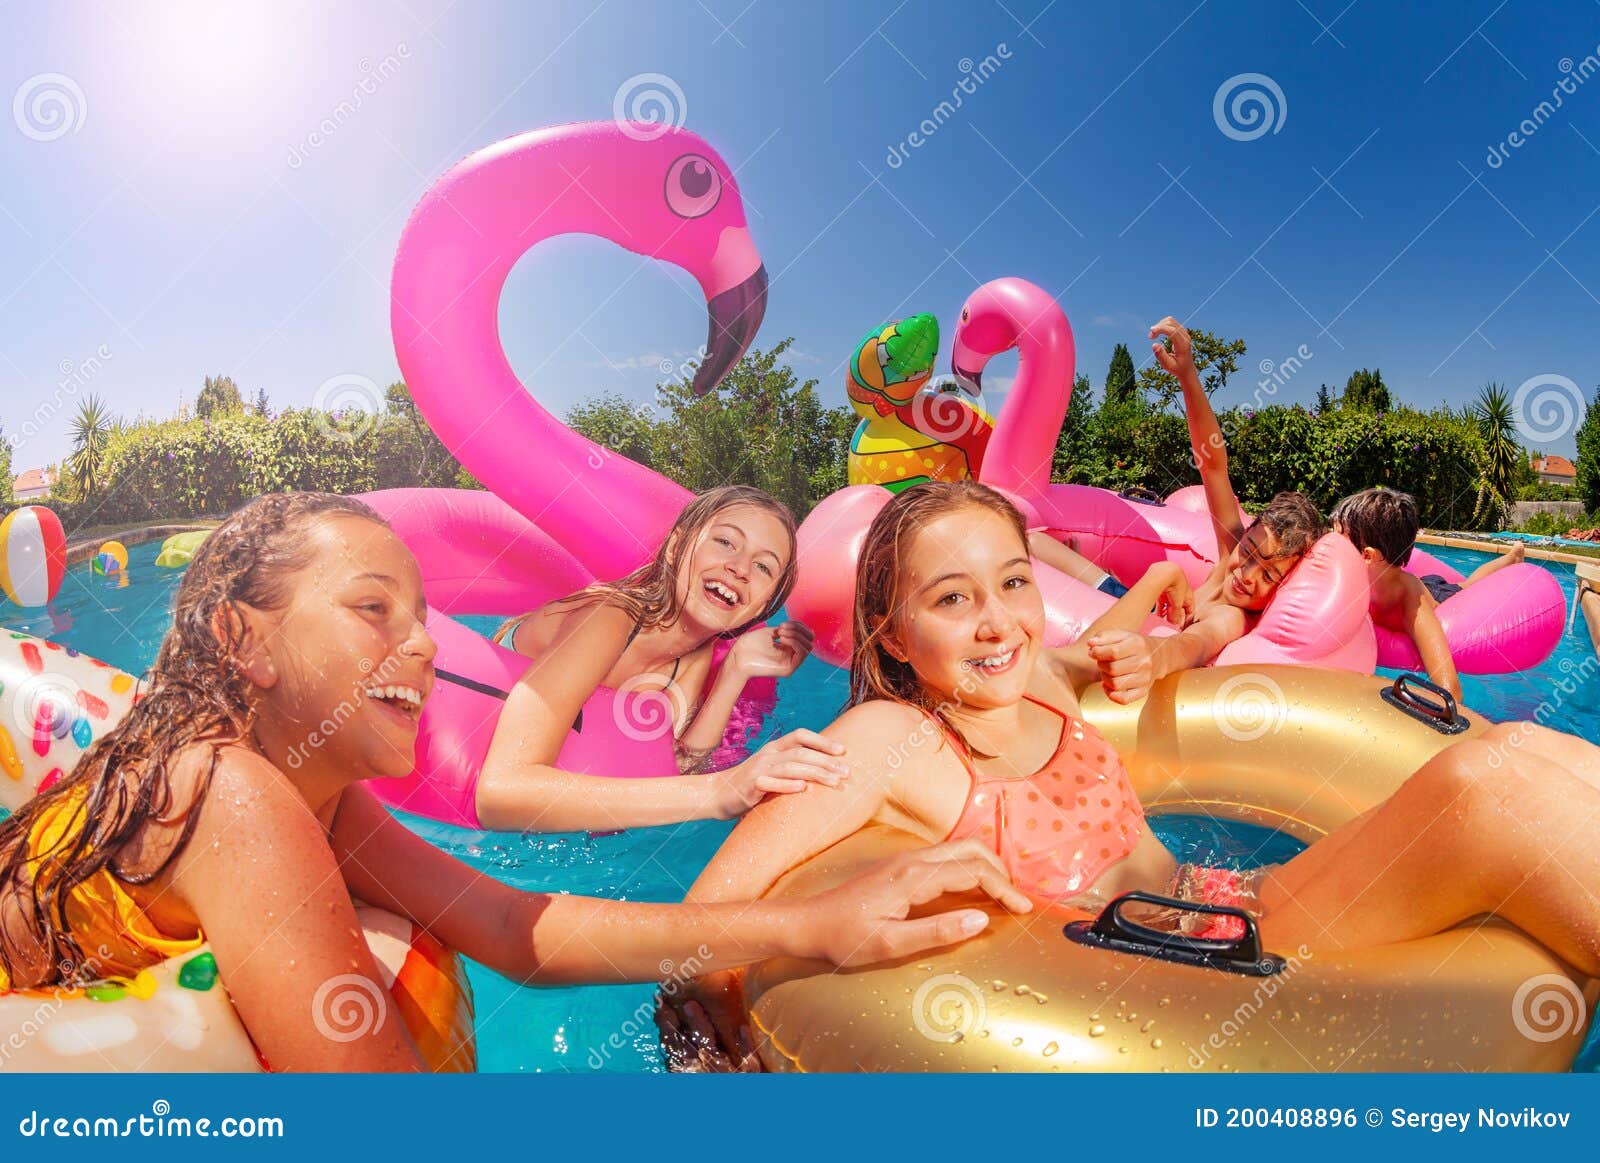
x: 874, y: 672
x: 650, y: 593
x: 195, y: 693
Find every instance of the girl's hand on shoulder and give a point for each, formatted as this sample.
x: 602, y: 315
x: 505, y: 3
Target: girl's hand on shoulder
x: 863, y: 921
x: 771, y: 651
x: 791, y: 763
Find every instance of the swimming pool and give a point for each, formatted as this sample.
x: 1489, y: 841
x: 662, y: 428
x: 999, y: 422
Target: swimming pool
x: 610, y: 1028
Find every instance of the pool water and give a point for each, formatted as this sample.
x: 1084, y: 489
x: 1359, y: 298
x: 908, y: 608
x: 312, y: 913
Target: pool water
x: 610, y: 1028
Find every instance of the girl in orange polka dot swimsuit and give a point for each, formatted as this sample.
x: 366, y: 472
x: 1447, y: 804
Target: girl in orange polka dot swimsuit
x: 962, y: 724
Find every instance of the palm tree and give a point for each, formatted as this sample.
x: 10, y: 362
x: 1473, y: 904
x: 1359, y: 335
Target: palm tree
x: 1502, y: 454
x: 91, y: 432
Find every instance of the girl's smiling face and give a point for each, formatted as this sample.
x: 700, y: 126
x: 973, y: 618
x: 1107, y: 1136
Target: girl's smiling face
x: 970, y: 620
x: 346, y: 664
x: 733, y: 569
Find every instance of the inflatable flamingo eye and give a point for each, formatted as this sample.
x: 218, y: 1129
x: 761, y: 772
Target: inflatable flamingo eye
x: 693, y: 186
x: 966, y: 314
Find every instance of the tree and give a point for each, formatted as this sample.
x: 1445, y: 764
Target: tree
x: 1215, y: 359
x: 92, y: 429
x: 261, y: 406
x: 218, y: 397
x: 1365, y: 391
x: 398, y: 402
x: 1589, y: 458
x: 1075, y: 449
x: 1119, y: 377
x: 5, y: 468
x: 1324, y: 400
x: 1497, y: 425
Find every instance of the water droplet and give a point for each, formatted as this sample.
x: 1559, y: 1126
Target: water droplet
x: 1051, y: 1049
x: 1145, y: 1029
x: 1096, y: 1030
x: 1155, y: 1043
x: 1016, y: 1041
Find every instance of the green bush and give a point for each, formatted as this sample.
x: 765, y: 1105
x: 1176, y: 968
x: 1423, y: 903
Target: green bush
x: 209, y: 467
x: 1436, y: 456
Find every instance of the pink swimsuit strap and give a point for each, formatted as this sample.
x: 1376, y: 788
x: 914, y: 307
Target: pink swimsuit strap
x: 1058, y: 829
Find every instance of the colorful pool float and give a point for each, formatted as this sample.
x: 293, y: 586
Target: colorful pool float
x: 54, y: 703
x: 910, y: 431
x: 177, y: 1017
x: 1297, y: 749
x: 178, y: 550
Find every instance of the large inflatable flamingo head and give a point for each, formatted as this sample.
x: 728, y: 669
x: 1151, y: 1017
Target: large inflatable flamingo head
x: 998, y: 316
x: 681, y: 205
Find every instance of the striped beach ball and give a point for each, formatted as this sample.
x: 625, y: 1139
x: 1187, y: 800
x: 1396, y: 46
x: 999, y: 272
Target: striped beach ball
x: 33, y: 555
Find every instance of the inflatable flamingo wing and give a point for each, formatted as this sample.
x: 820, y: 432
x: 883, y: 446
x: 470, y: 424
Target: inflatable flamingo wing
x: 658, y: 191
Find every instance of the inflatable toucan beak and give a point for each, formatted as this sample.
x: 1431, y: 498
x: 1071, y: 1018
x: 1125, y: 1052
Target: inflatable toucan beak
x: 735, y: 317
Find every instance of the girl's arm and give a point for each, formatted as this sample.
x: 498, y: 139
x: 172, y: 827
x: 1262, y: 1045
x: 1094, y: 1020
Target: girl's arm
x: 766, y: 652
x: 261, y: 880
x: 1080, y: 664
x: 521, y: 789
x: 558, y: 939
x: 1205, y: 434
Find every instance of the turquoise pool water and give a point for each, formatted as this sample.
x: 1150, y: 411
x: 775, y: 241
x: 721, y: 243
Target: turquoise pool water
x: 609, y: 1027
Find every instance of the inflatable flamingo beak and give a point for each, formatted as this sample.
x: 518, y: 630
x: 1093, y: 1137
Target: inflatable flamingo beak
x: 735, y: 317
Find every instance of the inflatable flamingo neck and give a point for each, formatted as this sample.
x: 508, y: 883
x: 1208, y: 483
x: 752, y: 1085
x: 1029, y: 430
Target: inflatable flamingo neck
x: 658, y: 191
x: 1009, y: 313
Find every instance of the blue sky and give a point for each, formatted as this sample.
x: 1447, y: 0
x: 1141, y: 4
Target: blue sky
x: 184, y: 224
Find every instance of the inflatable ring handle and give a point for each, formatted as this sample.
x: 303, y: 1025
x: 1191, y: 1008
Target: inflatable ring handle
x: 1142, y: 496
x: 1111, y: 930
x: 1443, y: 716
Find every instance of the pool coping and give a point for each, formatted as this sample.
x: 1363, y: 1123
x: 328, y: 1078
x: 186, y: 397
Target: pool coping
x: 1491, y: 547
x: 81, y: 551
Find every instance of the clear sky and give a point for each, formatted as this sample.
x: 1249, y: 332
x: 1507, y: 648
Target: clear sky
x: 166, y: 212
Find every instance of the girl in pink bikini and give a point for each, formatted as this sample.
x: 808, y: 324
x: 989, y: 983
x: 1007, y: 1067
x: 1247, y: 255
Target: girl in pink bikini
x: 961, y: 723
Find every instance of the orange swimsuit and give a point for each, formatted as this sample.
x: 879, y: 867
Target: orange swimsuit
x: 1058, y: 829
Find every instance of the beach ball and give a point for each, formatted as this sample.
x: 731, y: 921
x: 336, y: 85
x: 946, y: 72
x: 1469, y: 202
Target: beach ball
x: 33, y: 555
x: 111, y: 559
